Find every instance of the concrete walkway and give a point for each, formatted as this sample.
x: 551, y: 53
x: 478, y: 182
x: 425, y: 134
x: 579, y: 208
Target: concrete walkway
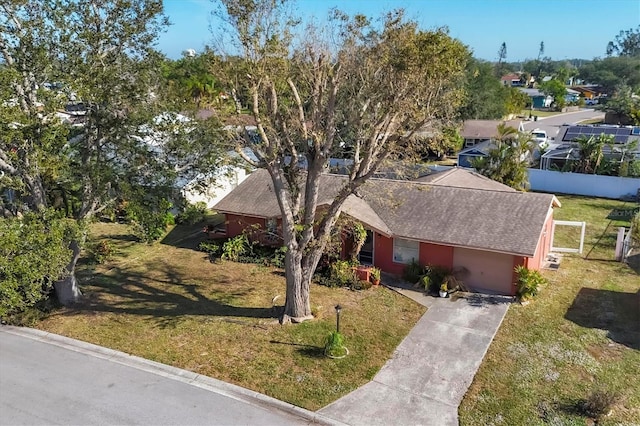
x: 431, y: 370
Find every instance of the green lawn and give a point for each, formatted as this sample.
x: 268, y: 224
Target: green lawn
x: 168, y: 303
x: 535, y: 112
x: 580, y: 335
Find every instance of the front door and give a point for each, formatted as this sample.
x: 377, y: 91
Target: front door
x: 366, y: 253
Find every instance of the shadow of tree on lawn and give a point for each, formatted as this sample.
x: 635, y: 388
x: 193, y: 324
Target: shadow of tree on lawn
x: 162, y: 293
x: 634, y: 261
x: 616, y: 312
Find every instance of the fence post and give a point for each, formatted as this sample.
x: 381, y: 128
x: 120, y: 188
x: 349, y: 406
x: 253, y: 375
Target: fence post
x: 620, y: 245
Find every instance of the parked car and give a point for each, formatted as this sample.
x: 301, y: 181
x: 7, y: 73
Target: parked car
x: 591, y: 102
x: 539, y: 136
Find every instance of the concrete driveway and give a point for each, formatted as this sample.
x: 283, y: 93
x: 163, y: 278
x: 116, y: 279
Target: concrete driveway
x: 431, y: 370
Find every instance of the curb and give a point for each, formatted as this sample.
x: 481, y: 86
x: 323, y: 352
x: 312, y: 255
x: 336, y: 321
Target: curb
x: 208, y: 383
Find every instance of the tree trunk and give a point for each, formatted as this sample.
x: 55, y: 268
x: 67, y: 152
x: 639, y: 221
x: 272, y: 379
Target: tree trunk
x: 67, y: 289
x: 297, y: 306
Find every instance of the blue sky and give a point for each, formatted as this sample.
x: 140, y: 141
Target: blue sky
x: 569, y: 28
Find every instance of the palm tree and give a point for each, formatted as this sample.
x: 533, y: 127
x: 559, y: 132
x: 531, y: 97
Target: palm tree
x: 507, y: 161
x: 591, y: 152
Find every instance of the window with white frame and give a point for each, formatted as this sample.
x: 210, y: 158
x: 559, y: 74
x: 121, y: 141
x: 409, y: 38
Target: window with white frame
x: 404, y: 251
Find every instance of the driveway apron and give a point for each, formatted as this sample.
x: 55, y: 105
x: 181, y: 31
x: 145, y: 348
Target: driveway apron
x: 432, y: 368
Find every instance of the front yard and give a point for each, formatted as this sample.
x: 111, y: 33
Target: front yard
x: 168, y: 303
x: 581, y: 335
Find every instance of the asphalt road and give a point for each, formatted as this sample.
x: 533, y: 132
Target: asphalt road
x: 53, y: 380
x: 552, y: 124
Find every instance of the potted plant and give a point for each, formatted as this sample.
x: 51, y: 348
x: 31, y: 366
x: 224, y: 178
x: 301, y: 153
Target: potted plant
x: 374, y: 273
x: 443, y: 290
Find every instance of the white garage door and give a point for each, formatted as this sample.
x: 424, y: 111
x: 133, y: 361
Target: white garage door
x: 492, y: 272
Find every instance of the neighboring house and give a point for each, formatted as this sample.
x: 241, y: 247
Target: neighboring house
x: 538, y: 99
x: 467, y: 155
x: 572, y: 96
x: 511, y: 80
x: 458, y: 177
x: 212, y: 188
x: 482, y: 231
x: 478, y: 131
x: 588, y: 91
x: 626, y: 144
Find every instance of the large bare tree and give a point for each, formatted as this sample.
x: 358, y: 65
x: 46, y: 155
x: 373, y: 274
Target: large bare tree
x: 346, y: 86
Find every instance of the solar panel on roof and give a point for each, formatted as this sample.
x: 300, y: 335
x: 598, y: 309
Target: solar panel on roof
x: 620, y: 134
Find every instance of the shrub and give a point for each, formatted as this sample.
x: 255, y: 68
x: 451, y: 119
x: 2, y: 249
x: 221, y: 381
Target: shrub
x: 342, y: 274
x: 361, y: 285
x: 434, y: 277
x: 193, y: 214
x: 528, y: 282
x: 412, y: 271
x: 334, y: 345
x: 34, y: 252
x: 277, y: 259
x: 235, y: 247
x: 425, y: 282
x: 211, y: 248
x: 359, y: 234
x: 150, y: 223
x: 375, y: 273
x: 101, y: 251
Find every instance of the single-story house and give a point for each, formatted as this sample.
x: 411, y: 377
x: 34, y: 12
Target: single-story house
x: 538, y: 99
x: 512, y: 80
x: 572, y: 96
x: 458, y: 177
x: 213, y: 187
x: 485, y: 230
x: 467, y: 155
x: 565, y: 149
x: 478, y: 131
x: 588, y: 91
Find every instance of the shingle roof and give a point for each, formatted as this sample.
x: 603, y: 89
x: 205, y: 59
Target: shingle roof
x: 503, y: 221
x: 485, y: 129
x: 461, y: 178
x: 489, y: 219
x: 482, y: 147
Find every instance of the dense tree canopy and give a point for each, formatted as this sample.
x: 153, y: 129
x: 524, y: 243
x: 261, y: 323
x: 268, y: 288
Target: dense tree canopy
x: 98, y: 56
x: 612, y: 72
x: 555, y: 88
x: 485, y: 95
x: 34, y: 252
x: 191, y: 78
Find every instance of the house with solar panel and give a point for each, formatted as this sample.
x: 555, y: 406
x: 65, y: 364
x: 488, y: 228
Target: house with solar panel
x: 564, y: 149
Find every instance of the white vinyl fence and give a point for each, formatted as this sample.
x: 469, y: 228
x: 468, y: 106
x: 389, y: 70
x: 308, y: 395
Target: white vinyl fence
x: 583, y: 184
x: 578, y: 183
